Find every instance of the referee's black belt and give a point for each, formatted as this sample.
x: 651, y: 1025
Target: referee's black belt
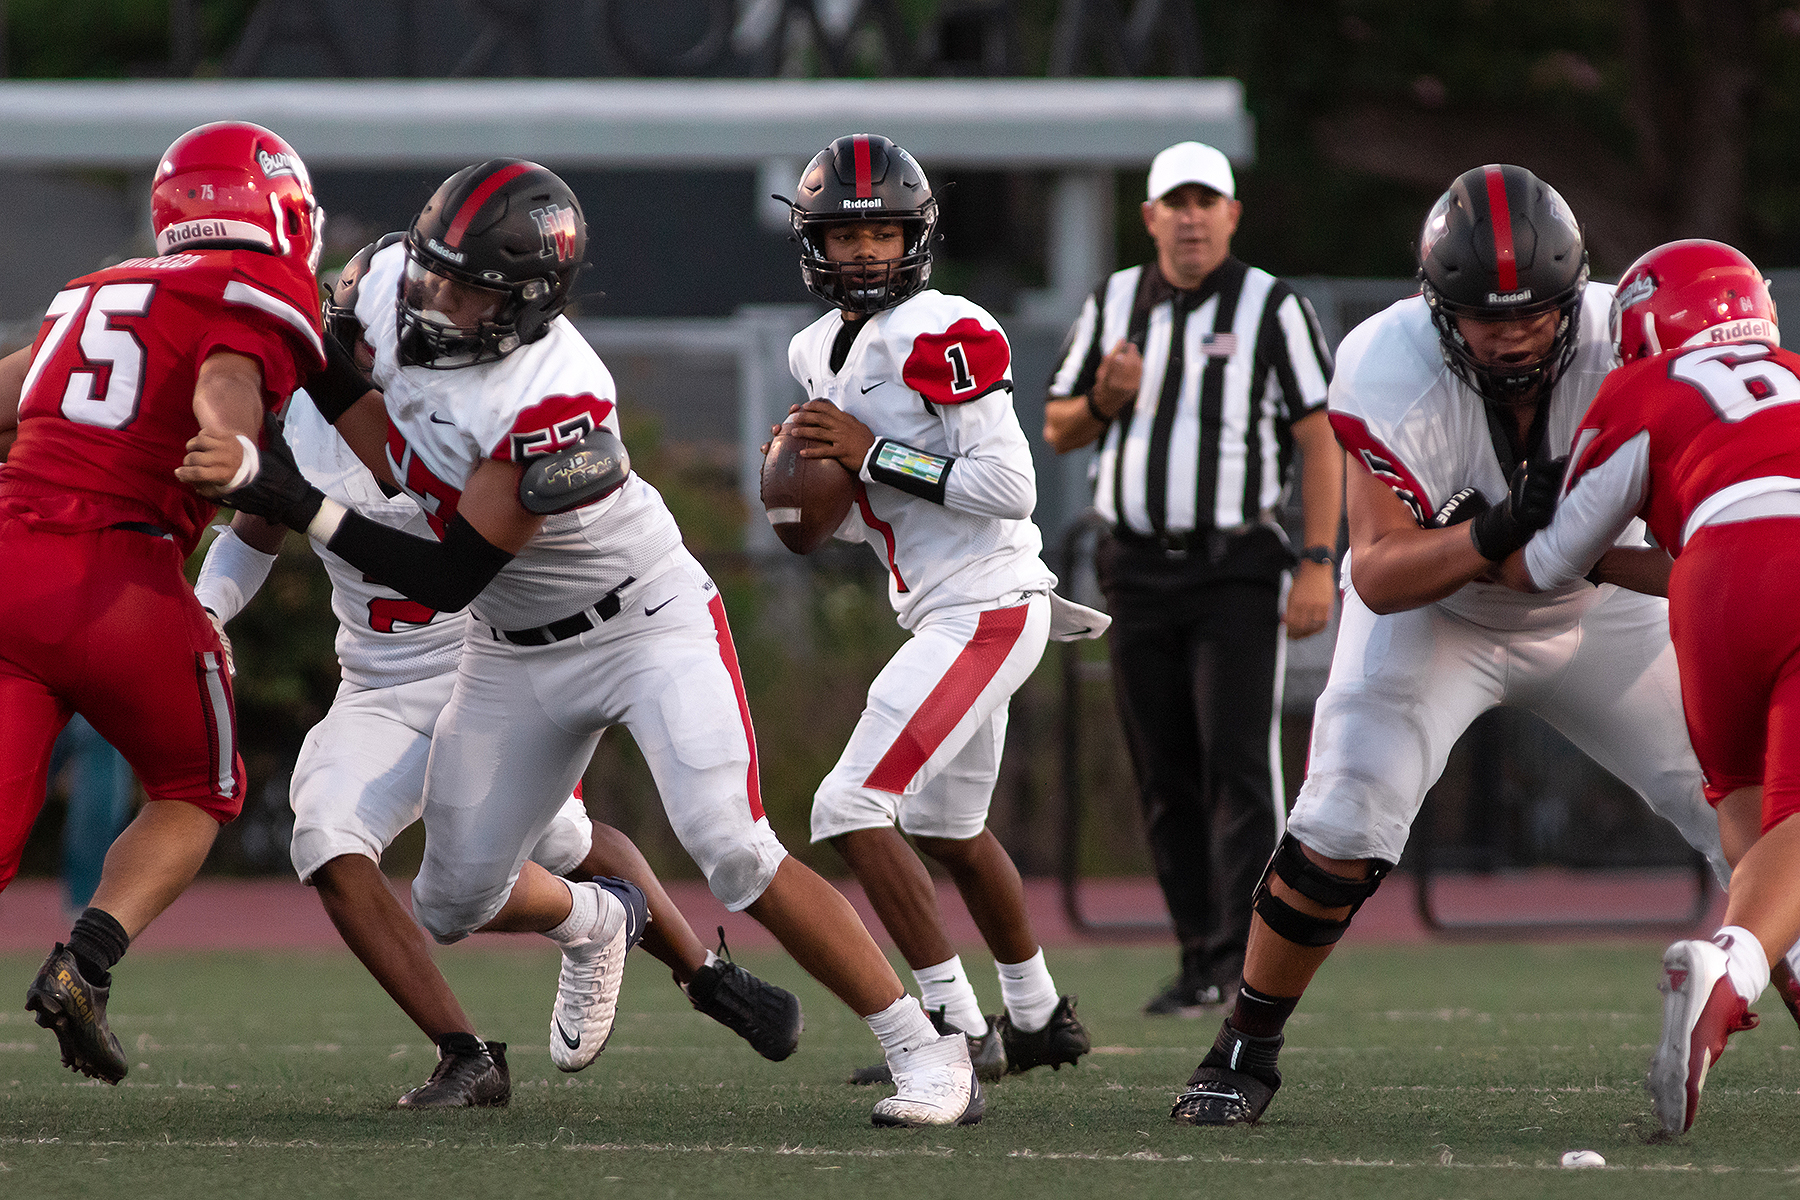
x: 1212, y: 544
x: 604, y: 609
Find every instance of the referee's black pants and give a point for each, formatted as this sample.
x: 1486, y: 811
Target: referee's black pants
x: 1194, y: 680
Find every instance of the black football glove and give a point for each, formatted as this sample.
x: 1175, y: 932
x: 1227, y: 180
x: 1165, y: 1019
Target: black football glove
x: 1466, y: 505
x: 1530, y: 503
x: 278, y: 493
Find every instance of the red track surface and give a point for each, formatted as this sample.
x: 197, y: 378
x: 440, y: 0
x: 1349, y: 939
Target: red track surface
x: 232, y: 914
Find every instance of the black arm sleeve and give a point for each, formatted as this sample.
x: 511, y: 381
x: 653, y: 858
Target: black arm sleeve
x: 340, y: 385
x: 444, y: 575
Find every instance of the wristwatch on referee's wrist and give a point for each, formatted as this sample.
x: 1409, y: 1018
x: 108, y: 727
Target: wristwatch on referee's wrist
x: 1318, y: 554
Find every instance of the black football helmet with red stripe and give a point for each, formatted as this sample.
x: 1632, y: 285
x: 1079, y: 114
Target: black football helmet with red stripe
x: 489, y: 263
x: 864, y: 177
x: 1501, y: 244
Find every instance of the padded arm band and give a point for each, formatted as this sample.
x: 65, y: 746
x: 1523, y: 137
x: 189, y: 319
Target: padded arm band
x: 337, y: 388
x: 444, y: 575
x: 915, y: 472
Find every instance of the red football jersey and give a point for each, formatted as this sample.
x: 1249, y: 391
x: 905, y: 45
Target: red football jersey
x: 108, y: 402
x: 1714, y: 416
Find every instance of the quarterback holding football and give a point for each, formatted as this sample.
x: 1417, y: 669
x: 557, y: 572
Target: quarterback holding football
x: 911, y: 392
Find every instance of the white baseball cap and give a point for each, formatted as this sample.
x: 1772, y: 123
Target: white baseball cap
x: 1190, y: 162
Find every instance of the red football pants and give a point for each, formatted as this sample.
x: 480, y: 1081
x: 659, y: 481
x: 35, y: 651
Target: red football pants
x: 104, y: 624
x: 1734, y: 614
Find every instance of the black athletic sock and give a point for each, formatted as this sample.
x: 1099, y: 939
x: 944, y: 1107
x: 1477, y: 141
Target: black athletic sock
x: 98, y: 941
x: 1258, y: 1014
x: 452, y: 1044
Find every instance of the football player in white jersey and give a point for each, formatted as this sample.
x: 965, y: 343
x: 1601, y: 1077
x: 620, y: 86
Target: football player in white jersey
x: 911, y: 391
x: 360, y: 777
x: 587, y: 611
x: 1459, y: 406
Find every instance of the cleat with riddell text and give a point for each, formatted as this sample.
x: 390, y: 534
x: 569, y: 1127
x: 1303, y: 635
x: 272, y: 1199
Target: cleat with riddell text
x: 75, y: 1010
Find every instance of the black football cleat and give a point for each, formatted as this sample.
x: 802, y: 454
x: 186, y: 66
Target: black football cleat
x: 766, y: 1016
x: 1061, y: 1041
x: 75, y: 1010
x: 986, y: 1054
x: 478, y: 1080
x: 1234, y: 1082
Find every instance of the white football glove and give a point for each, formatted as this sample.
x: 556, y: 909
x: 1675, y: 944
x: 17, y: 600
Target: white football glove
x: 225, y: 641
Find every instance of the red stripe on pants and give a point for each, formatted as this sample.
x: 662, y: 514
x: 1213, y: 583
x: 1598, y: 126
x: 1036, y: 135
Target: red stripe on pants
x: 996, y: 633
x: 728, y: 652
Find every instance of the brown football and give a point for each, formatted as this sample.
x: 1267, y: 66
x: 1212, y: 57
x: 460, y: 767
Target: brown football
x: 806, y: 498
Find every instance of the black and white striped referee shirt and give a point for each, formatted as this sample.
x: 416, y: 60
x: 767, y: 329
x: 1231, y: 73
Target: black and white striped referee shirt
x: 1228, y: 369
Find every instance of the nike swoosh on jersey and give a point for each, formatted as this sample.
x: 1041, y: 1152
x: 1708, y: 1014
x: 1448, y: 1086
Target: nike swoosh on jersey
x: 573, y: 1043
x: 873, y: 386
x: 437, y: 420
x: 651, y: 612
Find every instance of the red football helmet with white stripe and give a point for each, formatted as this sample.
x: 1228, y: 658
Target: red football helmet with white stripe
x: 864, y: 177
x: 1690, y: 293
x: 236, y: 185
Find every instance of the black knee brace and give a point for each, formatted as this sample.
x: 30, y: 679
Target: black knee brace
x: 1318, y: 885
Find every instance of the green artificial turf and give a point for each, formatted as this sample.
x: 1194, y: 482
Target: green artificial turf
x: 1410, y: 1072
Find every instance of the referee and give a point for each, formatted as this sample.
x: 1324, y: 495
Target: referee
x: 1198, y: 375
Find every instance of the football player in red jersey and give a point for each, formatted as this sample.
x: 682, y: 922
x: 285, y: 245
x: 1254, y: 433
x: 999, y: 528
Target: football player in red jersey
x: 97, y: 617
x: 1698, y: 433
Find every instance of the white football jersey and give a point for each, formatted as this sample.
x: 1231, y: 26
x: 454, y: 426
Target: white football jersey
x: 934, y: 373
x: 1406, y: 417
x: 383, y: 638
x: 542, y: 397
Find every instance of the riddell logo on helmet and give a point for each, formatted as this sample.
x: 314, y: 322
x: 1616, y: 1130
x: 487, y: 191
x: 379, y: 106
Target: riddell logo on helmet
x: 277, y: 163
x: 1737, y: 331
x: 872, y: 202
x: 194, y: 231
x: 1509, y: 297
x: 442, y: 251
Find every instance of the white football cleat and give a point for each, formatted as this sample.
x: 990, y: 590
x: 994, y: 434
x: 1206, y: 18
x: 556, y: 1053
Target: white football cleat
x: 934, y: 1085
x: 1700, y: 1010
x: 587, y: 990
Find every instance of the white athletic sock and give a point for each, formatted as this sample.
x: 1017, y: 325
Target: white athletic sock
x: 584, y: 914
x: 1747, y: 964
x: 1793, y: 959
x: 1028, y: 992
x: 901, y: 1026
x: 947, y: 986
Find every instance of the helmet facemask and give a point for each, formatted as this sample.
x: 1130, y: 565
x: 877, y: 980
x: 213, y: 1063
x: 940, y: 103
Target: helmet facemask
x: 1507, y: 384
x: 866, y: 287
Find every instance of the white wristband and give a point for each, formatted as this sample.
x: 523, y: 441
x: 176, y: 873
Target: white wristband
x: 247, y: 467
x: 324, y: 525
